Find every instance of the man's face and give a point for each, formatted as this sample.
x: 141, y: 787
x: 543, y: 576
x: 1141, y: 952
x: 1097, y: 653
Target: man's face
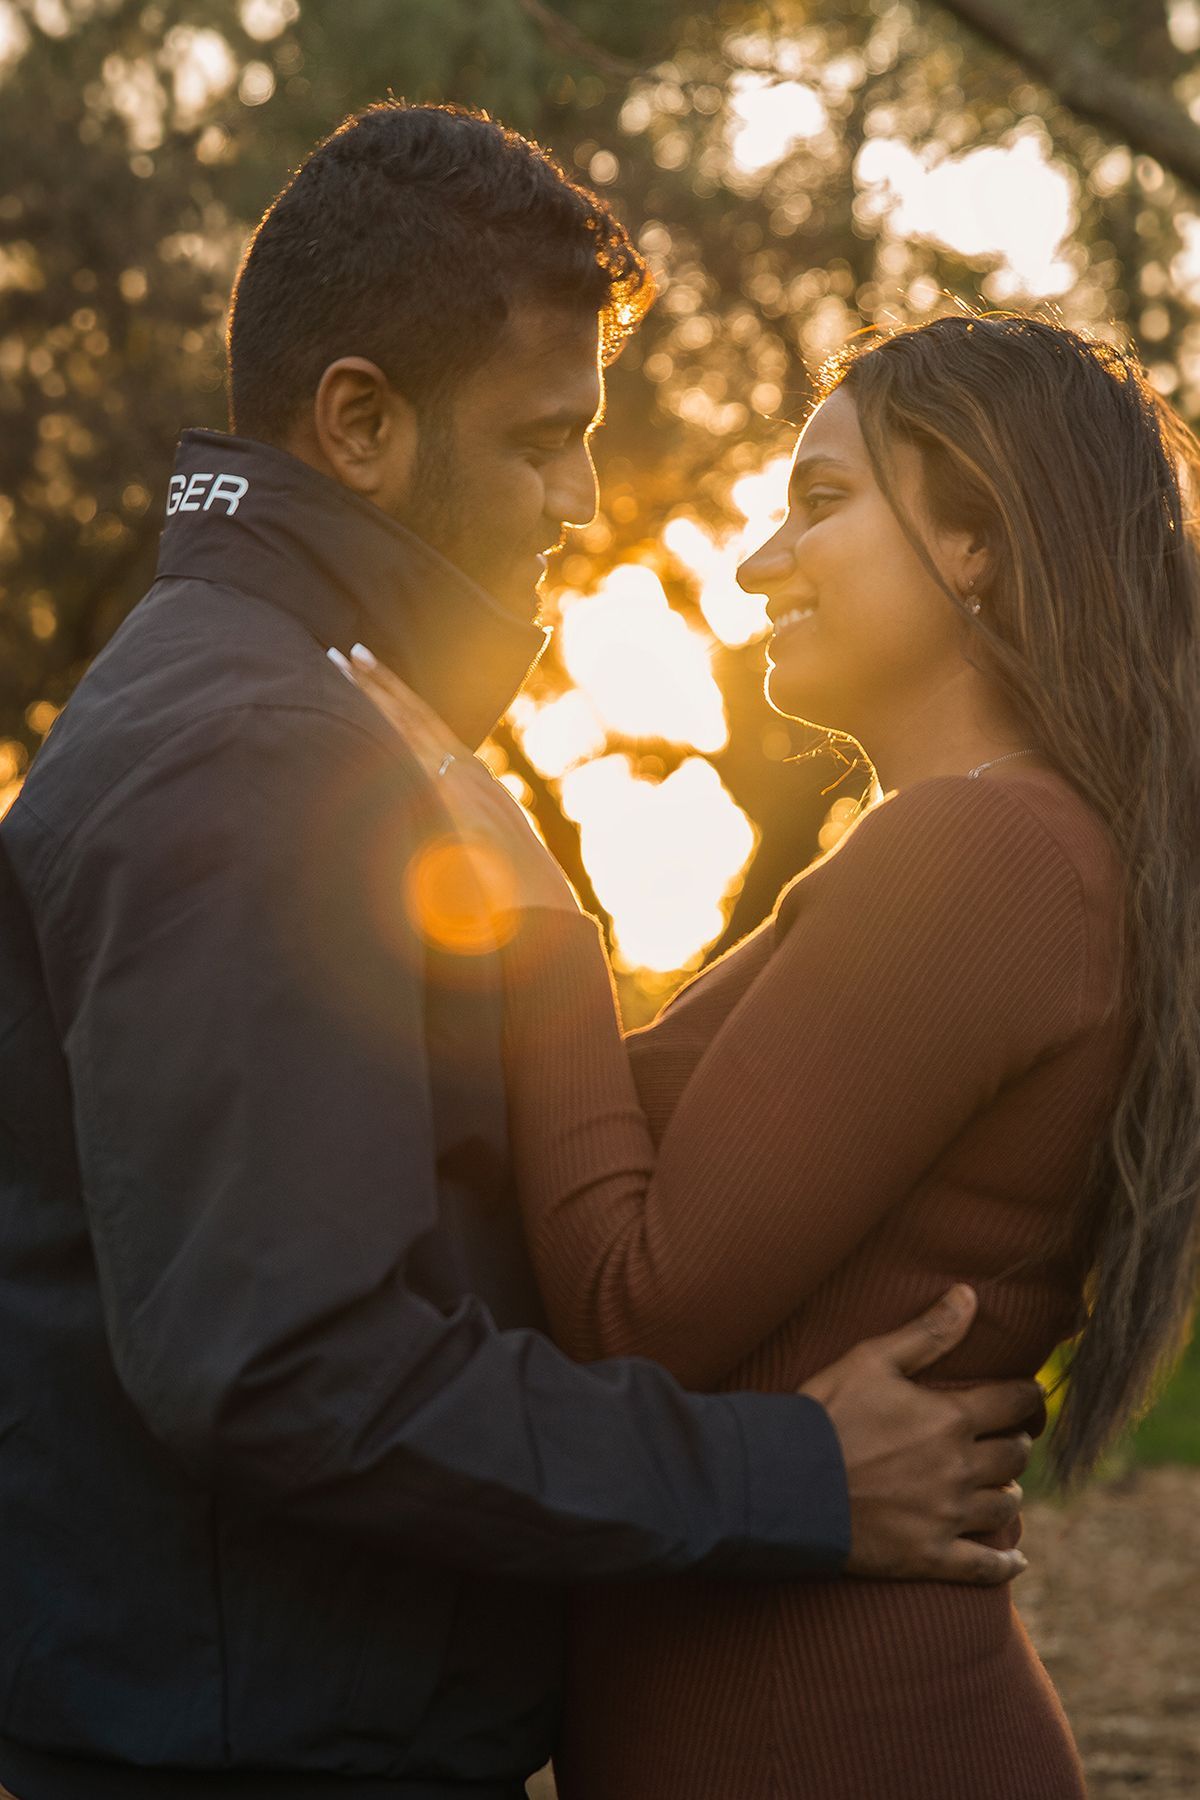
x: 504, y: 463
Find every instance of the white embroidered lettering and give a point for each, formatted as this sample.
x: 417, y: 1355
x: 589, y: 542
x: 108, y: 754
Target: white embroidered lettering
x: 195, y: 487
x: 175, y: 489
x: 231, y: 489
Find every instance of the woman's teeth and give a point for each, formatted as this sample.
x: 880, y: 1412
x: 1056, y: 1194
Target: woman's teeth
x: 795, y: 617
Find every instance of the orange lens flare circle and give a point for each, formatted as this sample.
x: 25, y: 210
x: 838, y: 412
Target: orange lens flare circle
x: 461, y: 895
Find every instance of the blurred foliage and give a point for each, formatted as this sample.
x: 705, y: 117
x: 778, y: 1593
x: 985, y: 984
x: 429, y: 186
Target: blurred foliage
x: 138, y: 143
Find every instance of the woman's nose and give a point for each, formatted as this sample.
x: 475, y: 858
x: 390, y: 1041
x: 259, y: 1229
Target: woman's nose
x: 768, y: 566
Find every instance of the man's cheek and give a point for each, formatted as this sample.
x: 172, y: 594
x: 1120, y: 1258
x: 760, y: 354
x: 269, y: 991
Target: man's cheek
x: 515, y: 503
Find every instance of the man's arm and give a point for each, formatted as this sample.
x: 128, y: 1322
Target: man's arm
x: 241, y: 1002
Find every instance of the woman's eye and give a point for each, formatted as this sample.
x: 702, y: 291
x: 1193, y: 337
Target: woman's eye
x: 819, y: 497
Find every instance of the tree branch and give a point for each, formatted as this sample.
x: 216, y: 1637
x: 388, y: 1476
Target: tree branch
x: 566, y: 38
x: 1149, y: 121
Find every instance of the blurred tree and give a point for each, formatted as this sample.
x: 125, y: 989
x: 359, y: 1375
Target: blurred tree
x: 760, y: 153
x: 1092, y: 81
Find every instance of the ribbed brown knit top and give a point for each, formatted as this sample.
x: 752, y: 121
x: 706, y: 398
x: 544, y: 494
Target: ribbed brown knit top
x: 896, y: 1083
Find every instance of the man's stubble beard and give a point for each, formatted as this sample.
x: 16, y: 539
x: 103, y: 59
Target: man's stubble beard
x: 433, y: 509
x: 436, y: 511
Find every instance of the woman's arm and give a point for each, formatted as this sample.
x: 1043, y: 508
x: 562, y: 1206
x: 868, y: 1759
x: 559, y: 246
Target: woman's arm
x: 937, y: 954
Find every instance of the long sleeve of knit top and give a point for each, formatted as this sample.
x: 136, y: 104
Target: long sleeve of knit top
x: 958, y: 935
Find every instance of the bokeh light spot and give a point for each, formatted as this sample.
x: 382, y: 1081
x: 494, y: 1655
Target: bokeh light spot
x: 461, y: 895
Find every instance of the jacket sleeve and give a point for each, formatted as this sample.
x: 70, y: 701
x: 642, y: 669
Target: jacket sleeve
x: 240, y: 996
x: 938, y: 953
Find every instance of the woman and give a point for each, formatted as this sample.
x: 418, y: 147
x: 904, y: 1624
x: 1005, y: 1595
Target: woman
x: 966, y: 1046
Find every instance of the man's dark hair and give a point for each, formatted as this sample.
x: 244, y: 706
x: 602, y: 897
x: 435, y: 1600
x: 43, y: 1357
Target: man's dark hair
x: 405, y: 238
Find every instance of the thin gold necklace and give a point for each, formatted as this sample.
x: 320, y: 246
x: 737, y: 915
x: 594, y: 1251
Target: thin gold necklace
x: 977, y: 771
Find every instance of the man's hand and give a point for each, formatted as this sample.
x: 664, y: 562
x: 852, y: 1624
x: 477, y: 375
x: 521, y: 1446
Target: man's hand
x: 920, y: 1477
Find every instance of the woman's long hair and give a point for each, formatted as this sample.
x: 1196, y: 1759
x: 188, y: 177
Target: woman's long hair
x: 1055, y: 451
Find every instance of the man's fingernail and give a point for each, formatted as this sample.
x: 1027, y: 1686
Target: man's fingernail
x: 362, y: 656
x: 340, y: 662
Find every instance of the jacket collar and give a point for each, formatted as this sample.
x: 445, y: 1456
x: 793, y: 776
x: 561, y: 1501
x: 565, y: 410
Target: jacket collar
x: 253, y: 517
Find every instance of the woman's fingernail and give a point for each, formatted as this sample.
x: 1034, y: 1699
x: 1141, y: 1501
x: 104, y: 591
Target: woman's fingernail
x: 340, y: 662
x: 362, y: 656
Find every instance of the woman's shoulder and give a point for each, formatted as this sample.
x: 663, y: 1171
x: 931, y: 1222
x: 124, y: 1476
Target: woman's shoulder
x: 1007, y: 843
x: 1006, y: 890
x: 970, y: 819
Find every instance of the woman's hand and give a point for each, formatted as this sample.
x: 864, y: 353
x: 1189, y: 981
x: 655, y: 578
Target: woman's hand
x: 513, y: 864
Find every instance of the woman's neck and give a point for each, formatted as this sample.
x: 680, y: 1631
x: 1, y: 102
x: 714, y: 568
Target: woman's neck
x: 951, y: 732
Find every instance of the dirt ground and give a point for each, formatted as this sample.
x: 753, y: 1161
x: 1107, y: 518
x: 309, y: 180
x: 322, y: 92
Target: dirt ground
x: 1112, y: 1601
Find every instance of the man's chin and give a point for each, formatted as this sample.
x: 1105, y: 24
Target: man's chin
x: 519, y: 590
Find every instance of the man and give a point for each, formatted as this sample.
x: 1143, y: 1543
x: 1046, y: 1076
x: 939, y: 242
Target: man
x: 290, y: 1477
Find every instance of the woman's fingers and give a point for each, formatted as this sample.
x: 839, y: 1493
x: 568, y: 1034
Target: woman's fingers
x: 427, y: 735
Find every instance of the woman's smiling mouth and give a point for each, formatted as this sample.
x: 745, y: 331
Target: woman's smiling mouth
x: 788, y: 621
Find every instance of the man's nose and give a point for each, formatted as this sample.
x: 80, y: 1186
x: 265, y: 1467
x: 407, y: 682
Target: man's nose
x: 573, y: 493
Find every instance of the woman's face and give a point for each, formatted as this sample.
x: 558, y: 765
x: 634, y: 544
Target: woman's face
x: 861, y: 629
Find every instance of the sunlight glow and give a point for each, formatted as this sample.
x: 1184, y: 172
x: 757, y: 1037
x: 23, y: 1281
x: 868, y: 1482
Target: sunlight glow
x: 202, y: 66
x: 14, y: 37
x: 1183, y: 22
x: 266, y: 19
x: 557, y: 735
x: 767, y: 117
x: 136, y: 94
x: 664, y: 857
x: 734, y: 617
x: 1185, y: 267
x: 1008, y: 202
x: 645, y: 671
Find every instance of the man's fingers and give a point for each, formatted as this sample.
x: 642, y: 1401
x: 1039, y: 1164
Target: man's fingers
x: 923, y: 1340
x: 996, y: 1461
x: 979, y: 1565
x: 999, y: 1406
x: 993, y: 1509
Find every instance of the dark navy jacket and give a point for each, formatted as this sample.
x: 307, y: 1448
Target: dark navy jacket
x: 289, y: 1477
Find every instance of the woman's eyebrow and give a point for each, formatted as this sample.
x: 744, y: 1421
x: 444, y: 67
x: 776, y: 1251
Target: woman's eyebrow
x: 804, y: 465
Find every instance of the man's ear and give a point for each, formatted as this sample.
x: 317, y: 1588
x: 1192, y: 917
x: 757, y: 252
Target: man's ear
x: 365, y: 431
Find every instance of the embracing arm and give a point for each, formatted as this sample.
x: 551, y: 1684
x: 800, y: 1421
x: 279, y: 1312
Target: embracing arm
x: 935, y: 955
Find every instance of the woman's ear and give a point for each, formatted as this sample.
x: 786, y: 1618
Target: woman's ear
x: 365, y: 431
x: 971, y: 565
